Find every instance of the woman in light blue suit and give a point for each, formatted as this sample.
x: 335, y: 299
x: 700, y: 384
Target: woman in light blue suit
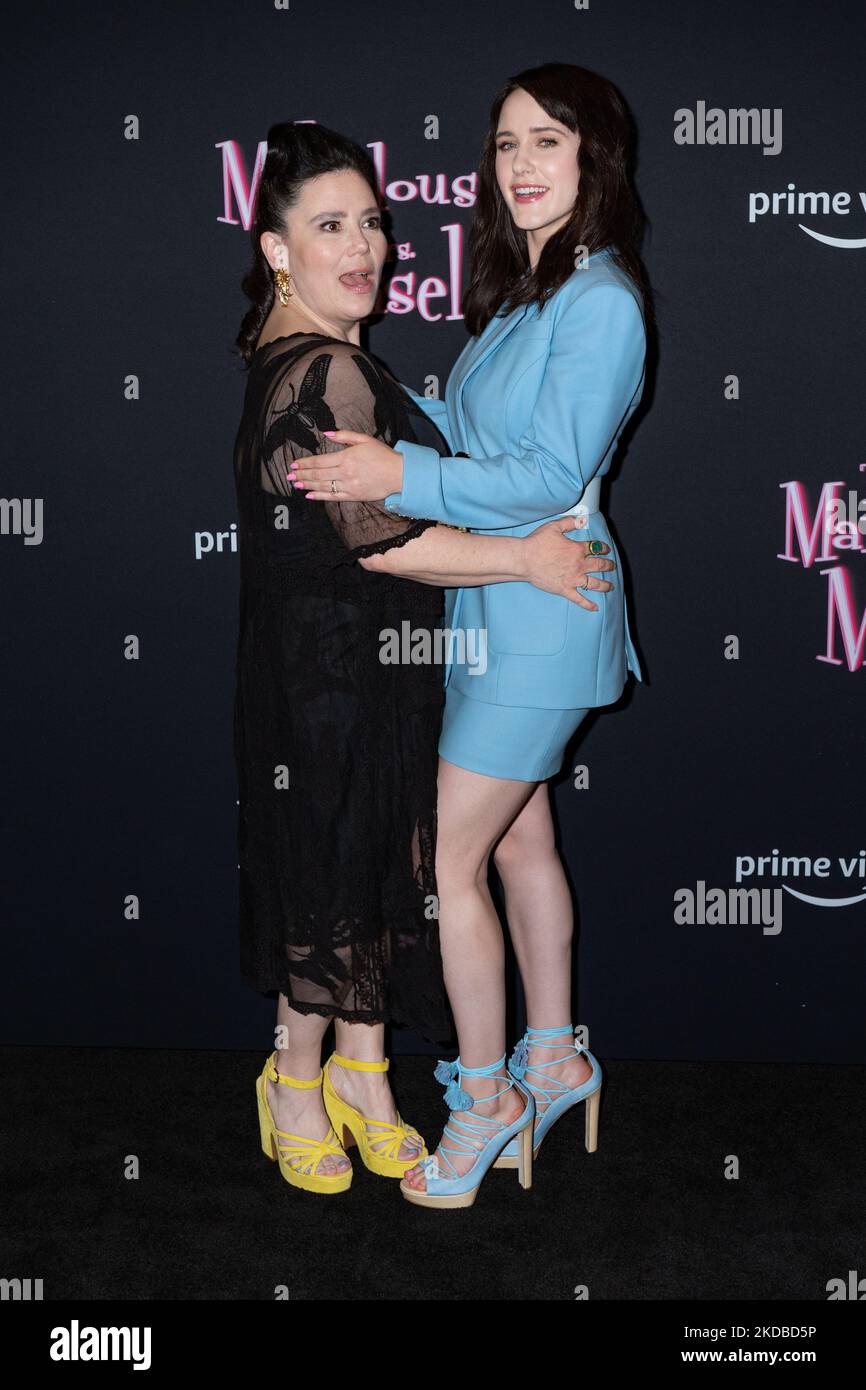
x: 558, y: 306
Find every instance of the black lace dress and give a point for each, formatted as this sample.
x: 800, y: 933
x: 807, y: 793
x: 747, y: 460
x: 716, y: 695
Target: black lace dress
x: 335, y: 749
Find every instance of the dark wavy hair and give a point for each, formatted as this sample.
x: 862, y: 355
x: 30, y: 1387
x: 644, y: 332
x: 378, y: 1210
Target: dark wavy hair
x: 296, y: 152
x: 607, y: 211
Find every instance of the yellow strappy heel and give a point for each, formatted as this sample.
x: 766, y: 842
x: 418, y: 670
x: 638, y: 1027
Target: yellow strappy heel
x: 293, y: 1149
x: 353, y: 1127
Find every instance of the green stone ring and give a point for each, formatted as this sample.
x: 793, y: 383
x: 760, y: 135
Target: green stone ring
x: 594, y: 547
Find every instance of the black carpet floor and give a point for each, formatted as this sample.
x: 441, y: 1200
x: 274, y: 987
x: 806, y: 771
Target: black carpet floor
x: 650, y: 1215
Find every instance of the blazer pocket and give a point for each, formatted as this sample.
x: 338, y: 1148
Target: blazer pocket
x: 525, y: 621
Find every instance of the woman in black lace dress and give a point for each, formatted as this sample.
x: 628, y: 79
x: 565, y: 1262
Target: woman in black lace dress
x: 336, y: 745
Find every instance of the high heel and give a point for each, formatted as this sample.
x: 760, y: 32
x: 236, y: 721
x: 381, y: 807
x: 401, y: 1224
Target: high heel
x: 460, y: 1190
x: 556, y: 1092
x: 306, y: 1152
x: 352, y: 1125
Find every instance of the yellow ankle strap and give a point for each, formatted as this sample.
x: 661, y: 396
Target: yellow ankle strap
x: 274, y: 1075
x: 359, y: 1066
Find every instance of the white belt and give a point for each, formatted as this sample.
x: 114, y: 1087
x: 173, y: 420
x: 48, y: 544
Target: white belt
x: 589, y: 501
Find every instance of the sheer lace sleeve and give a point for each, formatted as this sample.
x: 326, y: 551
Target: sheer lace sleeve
x: 334, y: 386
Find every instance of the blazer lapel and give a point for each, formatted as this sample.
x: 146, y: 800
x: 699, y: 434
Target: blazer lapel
x: 493, y: 336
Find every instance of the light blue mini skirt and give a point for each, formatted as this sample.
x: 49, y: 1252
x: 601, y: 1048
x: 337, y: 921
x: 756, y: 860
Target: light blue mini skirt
x: 514, y: 741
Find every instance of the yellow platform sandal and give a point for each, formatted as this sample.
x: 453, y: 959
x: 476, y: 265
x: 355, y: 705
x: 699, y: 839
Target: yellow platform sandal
x: 297, y: 1156
x: 379, y: 1142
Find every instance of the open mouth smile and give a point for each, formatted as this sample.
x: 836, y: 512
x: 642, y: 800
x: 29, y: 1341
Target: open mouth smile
x: 528, y: 192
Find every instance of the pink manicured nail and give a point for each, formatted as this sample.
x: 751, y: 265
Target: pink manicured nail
x: 329, y: 432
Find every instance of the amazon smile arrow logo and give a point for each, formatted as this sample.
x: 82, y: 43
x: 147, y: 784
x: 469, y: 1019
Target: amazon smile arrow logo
x: 847, y: 242
x: 824, y: 902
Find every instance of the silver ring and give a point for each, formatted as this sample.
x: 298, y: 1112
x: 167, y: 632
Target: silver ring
x: 333, y: 485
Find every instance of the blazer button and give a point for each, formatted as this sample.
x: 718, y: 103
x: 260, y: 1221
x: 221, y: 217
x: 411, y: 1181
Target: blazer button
x: 461, y: 456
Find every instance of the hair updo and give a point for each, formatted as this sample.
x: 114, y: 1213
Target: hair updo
x: 296, y: 152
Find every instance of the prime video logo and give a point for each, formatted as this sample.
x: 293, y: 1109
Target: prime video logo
x: 805, y: 867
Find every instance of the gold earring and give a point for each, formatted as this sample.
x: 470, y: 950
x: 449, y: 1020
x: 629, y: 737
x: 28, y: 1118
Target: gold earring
x: 283, y: 282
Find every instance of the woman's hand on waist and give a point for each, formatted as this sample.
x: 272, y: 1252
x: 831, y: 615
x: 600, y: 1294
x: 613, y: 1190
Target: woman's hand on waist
x: 559, y: 565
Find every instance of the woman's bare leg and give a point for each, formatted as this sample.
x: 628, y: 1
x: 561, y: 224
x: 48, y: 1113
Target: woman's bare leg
x: 473, y: 811
x: 369, y: 1092
x: 301, y: 1111
x: 540, y: 916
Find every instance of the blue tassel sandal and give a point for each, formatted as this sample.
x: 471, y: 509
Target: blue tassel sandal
x: 453, y: 1189
x: 556, y: 1092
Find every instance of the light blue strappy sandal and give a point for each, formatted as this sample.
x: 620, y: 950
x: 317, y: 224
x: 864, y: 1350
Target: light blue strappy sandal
x: 459, y: 1190
x: 553, y: 1090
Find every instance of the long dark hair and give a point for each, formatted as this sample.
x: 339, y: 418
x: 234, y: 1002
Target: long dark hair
x: 607, y: 211
x: 296, y: 152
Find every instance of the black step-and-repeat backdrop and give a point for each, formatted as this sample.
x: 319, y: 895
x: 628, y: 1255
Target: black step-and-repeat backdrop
x: 713, y: 820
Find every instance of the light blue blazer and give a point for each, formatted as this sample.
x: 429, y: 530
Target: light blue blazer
x: 538, y: 402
